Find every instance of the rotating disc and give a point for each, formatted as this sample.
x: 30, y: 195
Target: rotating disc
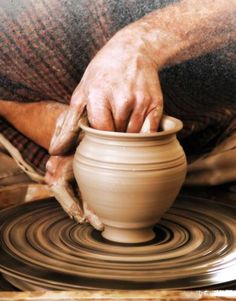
x: 6, y: 285
x: 195, y: 246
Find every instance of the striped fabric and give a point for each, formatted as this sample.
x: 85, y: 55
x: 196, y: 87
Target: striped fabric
x: 36, y: 156
x: 45, y: 46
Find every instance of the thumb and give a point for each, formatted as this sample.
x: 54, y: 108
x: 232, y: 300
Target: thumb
x: 65, y: 136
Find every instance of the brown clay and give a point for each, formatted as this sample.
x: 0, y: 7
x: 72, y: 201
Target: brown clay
x: 130, y: 180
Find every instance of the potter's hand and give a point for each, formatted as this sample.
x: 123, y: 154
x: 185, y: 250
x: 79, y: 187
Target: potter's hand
x: 59, y: 177
x: 120, y: 89
x: 120, y: 86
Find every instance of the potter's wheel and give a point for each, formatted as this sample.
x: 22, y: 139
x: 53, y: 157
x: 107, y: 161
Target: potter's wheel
x: 195, y: 246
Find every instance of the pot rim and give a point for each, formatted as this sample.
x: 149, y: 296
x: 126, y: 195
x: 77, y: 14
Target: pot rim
x: 177, y: 126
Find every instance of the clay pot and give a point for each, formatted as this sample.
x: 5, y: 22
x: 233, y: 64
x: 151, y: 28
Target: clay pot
x: 130, y: 180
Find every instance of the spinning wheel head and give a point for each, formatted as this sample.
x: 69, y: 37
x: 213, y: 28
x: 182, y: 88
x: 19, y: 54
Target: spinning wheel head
x: 193, y: 247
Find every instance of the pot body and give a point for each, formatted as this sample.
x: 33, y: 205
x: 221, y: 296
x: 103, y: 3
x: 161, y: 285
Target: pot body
x: 130, y: 180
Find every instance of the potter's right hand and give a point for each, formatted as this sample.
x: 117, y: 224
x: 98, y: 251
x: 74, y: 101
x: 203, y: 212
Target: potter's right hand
x: 121, y: 87
x: 59, y: 177
x: 120, y: 90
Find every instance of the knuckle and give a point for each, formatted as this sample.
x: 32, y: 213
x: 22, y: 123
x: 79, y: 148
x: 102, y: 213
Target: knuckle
x: 77, y: 99
x: 97, y: 92
x: 160, y: 102
x: 157, y: 103
x: 96, y: 100
x: 143, y: 101
x: 93, y: 94
x: 123, y: 102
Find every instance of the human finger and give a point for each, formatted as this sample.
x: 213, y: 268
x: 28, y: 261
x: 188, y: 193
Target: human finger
x: 152, y: 120
x: 122, y: 110
x: 65, y: 196
x: 67, y: 129
x: 59, y: 172
x: 136, y: 121
x: 59, y: 168
x: 92, y: 218
x: 142, y: 103
x: 99, y: 114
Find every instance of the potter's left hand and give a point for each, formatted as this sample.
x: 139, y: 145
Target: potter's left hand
x: 59, y: 177
x: 120, y: 90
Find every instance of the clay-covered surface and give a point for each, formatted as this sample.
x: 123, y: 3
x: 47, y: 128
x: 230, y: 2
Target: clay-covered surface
x: 129, y: 180
x: 194, y: 248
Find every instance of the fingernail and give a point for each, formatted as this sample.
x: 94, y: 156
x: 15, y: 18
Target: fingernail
x: 48, y: 165
x: 146, y: 126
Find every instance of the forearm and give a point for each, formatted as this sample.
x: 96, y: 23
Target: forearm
x: 184, y: 30
x: 34, y: 120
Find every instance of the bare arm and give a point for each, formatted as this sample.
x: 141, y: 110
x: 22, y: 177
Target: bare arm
x: 121, y: 88
x: 36, y: 120
x: 185, y: 30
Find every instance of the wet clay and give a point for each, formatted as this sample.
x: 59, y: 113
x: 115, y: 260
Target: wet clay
x: 130, y: 180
